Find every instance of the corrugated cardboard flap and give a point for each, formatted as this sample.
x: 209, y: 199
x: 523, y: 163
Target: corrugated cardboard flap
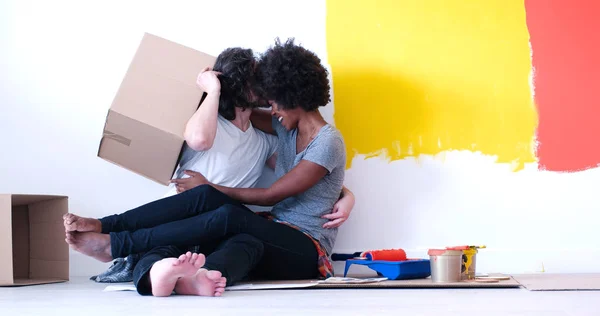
x: 159, y: 88
x: 6, y: 257
x: 26, y: 282
x: 49, y: 254
x: 139, y: 147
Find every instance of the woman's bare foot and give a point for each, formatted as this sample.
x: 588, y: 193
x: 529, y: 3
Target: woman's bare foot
x: 74, y: 223
x: 165, y: 273
x: 203, y: 283
x: 94, y: 245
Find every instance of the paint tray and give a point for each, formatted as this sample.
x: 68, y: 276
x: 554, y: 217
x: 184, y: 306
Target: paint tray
x: 395, y: 270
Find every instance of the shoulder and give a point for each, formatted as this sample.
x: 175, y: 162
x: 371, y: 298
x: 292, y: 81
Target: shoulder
x: 331, y: 136
x: 221, y: 121
x: 327, y: 149
x: 265, y: 136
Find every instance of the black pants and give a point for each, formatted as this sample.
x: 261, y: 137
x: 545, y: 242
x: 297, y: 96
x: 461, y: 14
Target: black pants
x: 204, y: 216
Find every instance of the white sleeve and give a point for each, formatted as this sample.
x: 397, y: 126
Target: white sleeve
x: 272, y: 142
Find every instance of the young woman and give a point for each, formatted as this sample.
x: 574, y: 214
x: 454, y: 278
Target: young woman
x: 289, y: 244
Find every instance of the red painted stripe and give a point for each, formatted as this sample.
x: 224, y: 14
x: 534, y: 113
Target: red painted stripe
x: 565, y: 39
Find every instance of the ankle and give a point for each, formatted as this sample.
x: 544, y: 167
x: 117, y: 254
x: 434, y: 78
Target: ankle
x: 98, y: 226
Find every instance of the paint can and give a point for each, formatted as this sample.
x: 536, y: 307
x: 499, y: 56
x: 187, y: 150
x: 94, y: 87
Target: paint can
x: 469, y: 260
x: 445, y: 265
x: 469, y: 264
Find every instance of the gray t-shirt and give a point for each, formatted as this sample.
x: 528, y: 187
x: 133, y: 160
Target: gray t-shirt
x: 305, y: 210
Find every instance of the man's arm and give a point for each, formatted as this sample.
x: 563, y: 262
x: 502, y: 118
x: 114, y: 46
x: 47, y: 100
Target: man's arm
x: 262, y: 120
x: 201, y: 128
x: 341, y: 210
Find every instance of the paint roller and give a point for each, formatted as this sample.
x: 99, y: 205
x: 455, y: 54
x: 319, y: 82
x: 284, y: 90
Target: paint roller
x: 373, y: 255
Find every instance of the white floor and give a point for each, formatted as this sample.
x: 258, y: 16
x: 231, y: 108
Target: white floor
x: 86, y: 298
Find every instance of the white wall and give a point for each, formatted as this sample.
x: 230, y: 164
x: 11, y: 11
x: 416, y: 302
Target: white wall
x: 61, y: 63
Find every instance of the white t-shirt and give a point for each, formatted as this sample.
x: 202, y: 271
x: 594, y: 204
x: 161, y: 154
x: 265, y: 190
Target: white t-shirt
x: 236, y: 159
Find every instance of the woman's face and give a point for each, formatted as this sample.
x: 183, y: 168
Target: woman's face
x: 287, y: 118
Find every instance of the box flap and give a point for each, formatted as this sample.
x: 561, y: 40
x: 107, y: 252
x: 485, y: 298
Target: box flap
x: 20, y: 241
x: 26, y: 282
x: 49, y: 254
x: 6, y: 255
x: 159, y: 88
x: 25, y: 199
x: 139, y: 147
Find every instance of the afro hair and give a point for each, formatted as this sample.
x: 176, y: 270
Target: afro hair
x: 293, y: 77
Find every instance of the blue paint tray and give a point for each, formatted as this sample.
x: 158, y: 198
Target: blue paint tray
x: 395, y: 270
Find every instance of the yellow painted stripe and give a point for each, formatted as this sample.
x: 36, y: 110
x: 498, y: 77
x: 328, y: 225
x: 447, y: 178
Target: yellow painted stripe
x: 421, y: 77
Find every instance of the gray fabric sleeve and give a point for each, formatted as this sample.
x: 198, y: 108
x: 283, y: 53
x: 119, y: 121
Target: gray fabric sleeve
x: 327, y: 150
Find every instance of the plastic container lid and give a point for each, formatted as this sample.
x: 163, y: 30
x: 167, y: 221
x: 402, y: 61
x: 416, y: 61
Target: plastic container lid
x: 444, y: 252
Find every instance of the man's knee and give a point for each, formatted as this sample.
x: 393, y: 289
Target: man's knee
x: 232, y: 216
x: 232, y: 211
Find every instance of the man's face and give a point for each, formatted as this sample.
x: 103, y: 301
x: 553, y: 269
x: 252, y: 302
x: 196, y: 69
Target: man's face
x: 256, y: 101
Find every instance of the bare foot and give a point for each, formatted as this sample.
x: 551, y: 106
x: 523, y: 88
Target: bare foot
x: 165, y: 273
x: 203, y: 283
x: 74, y: 223
x: 94, y: 245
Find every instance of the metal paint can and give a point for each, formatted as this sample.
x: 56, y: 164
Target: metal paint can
x: 445, y: 265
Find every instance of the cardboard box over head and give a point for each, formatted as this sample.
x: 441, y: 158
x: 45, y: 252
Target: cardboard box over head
x: 32, y: 240
x: 146, y: 121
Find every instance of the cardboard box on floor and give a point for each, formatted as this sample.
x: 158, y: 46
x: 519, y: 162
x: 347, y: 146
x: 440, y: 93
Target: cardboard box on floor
x: 32, y: 240
x: 146, y: 121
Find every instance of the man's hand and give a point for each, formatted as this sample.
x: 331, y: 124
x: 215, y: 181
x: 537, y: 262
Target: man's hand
x: 208, y: 81
x: 341, y: 210
x: 195, y: 179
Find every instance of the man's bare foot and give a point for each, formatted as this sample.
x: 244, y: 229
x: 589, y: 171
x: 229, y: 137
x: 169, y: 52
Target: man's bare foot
x: 74, y: 223
x: 94, y: 245
x: 203, y: 283
x: 165, y: 273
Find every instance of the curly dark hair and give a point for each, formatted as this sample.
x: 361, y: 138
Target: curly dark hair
x: 293, y: 77
x: 237, y: 66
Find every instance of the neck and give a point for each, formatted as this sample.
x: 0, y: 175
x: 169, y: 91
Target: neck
x: 310, y: 123
x: 242, y: 119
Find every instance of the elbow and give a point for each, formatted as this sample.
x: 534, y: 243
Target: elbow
x: 199, y: 143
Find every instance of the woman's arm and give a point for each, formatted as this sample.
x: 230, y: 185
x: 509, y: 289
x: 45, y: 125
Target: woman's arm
x: 262, y: 119
x: 201, y: 128
x: 301, y: 178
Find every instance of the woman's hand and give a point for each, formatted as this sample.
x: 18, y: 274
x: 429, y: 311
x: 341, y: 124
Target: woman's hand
x: 208, y: 81
x: 195, y: 179
x: 341, y: 210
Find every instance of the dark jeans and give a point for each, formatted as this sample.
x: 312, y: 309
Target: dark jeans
x: 204, y: 216
x: 234, y: 258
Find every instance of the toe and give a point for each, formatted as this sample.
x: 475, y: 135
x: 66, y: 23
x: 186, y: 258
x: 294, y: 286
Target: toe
x: 200, y: 261
x: 214, y: 275
x: 69, y: 218
x: 193, y: 258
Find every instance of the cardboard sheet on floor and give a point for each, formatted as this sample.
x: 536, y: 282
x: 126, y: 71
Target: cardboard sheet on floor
x: 376, y: 284
x: 421, y: 284
x: 559, y: 282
